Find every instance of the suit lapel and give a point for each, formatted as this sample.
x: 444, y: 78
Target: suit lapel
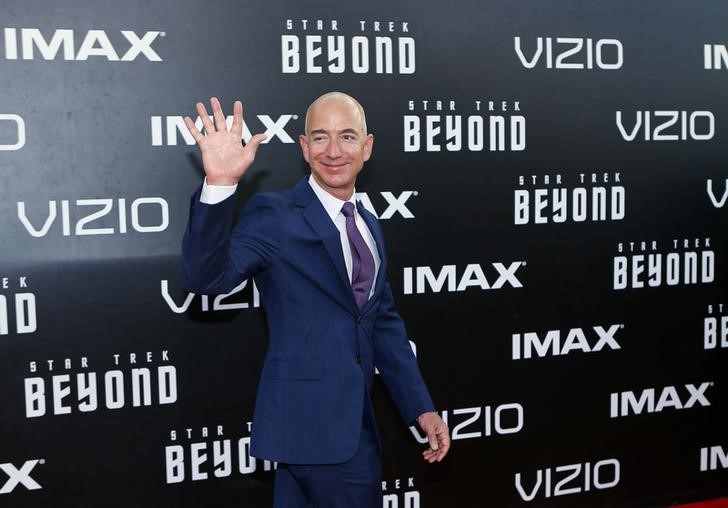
x: 320, y: 222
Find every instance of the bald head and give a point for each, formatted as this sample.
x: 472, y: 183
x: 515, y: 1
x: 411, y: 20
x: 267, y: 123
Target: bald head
x: 338, y: 98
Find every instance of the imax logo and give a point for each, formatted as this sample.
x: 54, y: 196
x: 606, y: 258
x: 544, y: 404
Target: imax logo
x: 165, y: 129
x: 576, y: 340
x: 94, y: 43
x: 20, y: 476
x: 715, y: 56
x: 669, y: 125
x: 395, y: 204
x: 711, y: 457
x: 18, y: 134
x: 717, y: 203
x: 419, y: 278
x: 621, y: 404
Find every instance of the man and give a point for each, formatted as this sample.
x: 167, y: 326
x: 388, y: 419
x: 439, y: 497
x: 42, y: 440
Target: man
x: 319, y: 263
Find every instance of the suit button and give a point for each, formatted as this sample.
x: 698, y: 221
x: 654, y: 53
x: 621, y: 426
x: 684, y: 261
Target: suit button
x: 358, y: 320
x: 358, y: 358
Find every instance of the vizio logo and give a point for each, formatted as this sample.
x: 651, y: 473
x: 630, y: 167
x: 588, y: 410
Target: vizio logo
x: 19, y: 135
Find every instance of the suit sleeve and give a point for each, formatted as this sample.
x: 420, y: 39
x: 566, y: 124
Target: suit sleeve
x: 396, y: 362
x: 217, y: 257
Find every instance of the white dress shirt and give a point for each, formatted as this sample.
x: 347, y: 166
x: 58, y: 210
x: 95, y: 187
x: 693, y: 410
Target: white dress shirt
x: 212, y: 194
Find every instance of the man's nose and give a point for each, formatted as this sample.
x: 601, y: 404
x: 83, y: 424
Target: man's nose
x: 333, y: 150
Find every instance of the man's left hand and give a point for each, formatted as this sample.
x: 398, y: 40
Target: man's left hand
x: 438, y: 436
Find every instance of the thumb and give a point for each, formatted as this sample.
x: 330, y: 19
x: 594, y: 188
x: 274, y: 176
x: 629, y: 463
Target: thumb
x: 432, y: 438
x: 255, y: 142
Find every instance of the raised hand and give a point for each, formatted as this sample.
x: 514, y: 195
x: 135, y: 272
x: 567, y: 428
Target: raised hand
x: 224, y: 157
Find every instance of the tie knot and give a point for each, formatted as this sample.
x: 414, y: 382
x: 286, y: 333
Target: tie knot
x: 348, y: 209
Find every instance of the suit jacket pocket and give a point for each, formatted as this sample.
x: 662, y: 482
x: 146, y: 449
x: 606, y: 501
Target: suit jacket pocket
x: 298, y: 370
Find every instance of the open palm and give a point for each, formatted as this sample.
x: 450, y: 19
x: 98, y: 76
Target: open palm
x: 224, y: 157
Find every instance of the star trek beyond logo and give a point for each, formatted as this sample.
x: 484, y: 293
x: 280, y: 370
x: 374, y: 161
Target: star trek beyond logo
x: 77, y: 45
x: 317, y: 46
x: 210, y: 452
x: 647, y: 264
x: 480, y: 125
x: 715, y: 327
x: 79, y: 385
x: 18, y: 313
x: 556, y: 199
x: 400, y: 493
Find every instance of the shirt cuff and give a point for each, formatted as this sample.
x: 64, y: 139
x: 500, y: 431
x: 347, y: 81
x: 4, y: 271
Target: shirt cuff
x: 213, y: 194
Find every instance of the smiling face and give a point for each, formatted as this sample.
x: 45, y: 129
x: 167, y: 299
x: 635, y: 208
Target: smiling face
x: 336, y: 144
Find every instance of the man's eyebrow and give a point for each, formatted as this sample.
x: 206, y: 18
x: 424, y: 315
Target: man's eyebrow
x: 349, y: 130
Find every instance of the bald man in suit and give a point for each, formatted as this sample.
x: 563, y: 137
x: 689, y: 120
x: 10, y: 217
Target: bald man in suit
x: 319, y: 262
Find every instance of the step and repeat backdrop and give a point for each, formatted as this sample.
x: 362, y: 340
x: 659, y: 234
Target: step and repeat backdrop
x: 551, y: 178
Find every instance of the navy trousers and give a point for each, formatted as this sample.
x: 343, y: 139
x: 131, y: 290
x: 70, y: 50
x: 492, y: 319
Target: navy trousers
x: 356, y: 483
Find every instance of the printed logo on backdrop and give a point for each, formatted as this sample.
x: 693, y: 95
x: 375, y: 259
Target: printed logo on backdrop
x: 479, y: 422
x: 715, y: 57
x: 94, y: 217
x: 718, y: 203
x: 16, y: 476
x: 454, y: 278
x: 713, y: 458
x: 715, y: 327
x: 656, y: 400
x: 12, y: 132
x: 400, y: 493
x: 569, y: 479
x: 466, y: 125
x: 666, y: 125
x: 167, y: 130
x: 569, y: 53
x: 334, y: 47
x: 81, y: 385
x: 649, y: 264
x: 208, y: 453
x: 18, y: 312
x: 243, y: 296
x: 555, y: 199
x: 79, y: 45
x: 587, y: 340
x: 390, y: 205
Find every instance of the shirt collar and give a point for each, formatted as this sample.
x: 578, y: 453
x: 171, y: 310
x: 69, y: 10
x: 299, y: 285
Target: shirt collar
x: 332, y: 204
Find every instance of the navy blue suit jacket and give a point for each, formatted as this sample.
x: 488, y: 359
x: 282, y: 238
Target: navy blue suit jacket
x: 322, y: 349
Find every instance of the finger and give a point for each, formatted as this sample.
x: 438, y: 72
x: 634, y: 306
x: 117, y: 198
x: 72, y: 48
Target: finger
x: 193, y: 130
x: 218, y: 114
x: 206, y: 123
x: 237, y: 127
x: 252, y: 146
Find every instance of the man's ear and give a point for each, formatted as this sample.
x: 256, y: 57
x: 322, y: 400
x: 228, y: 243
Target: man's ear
x: 368, y: 145
x: 303, y: 141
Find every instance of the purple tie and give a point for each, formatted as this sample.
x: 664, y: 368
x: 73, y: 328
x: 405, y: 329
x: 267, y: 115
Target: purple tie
x: 362, y: 262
